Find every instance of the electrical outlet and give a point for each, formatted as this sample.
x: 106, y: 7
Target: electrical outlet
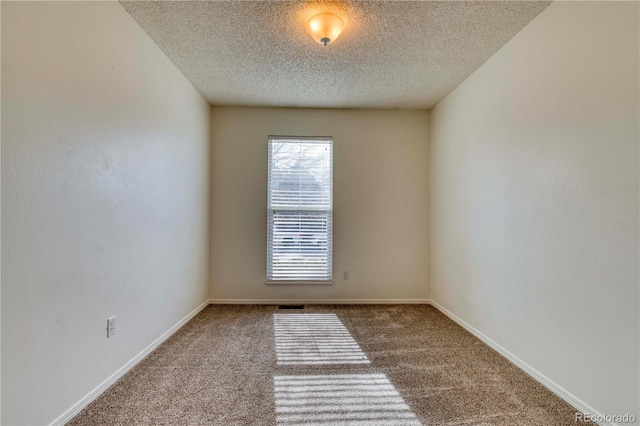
x: 345, y: 275
x: 111, y: 326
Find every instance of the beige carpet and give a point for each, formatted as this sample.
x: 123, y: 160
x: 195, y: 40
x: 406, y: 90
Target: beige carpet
x: 325, y: 365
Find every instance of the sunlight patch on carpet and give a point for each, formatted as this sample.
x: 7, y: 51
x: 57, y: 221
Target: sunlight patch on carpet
x: 314, y: 339
x: 354, y: 399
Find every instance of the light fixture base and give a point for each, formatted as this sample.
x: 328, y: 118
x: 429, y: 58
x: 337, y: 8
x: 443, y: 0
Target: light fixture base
x: 325, y: 40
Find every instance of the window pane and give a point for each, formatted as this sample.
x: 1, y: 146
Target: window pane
x: 300, y: 175
x: 300, y: 245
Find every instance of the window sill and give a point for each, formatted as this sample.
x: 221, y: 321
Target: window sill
x: 294, y: 282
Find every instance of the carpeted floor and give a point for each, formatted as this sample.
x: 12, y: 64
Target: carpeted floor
x: 325, y: 365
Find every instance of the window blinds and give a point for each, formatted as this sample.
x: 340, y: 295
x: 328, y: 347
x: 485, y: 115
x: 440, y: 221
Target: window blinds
x: 300, y: 209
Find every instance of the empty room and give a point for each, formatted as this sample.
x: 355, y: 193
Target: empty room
x: 320, y: 213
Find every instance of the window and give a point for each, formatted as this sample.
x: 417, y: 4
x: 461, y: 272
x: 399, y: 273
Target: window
x: 300, y: 209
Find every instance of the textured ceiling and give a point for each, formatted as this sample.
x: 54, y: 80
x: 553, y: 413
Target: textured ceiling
x: 392, y: 54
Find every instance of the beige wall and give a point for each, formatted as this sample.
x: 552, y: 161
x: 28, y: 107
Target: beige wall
x: 105, y: 193
x: 534, y: 195
x: 380, y: 202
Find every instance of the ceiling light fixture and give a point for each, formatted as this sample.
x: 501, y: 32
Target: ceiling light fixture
x: 325, y: 27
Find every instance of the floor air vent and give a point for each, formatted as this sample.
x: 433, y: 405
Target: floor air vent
x: 291, y: 307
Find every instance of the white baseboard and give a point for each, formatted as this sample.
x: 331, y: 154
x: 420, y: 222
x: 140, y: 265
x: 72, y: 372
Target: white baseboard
x: 567, y: 396
x: 318, y: 301
x: 80, y: 405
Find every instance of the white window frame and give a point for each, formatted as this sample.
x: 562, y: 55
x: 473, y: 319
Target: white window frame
x: 271, y: 211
